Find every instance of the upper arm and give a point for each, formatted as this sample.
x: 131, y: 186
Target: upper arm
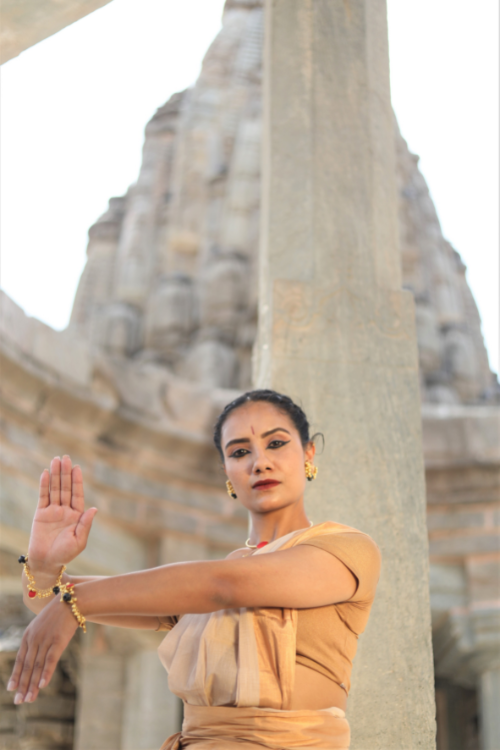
x: 359, y: 553
x: 298, y: 578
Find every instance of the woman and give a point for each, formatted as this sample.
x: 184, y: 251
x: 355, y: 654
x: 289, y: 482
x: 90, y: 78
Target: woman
x: 260, y: 645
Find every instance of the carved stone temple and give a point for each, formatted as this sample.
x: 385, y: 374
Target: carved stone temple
x: 160, y: 338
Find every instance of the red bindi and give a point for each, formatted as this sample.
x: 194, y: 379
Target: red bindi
x: 253, y: 431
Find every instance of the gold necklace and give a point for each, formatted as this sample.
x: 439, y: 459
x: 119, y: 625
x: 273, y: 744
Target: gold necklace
x: 263, y: 544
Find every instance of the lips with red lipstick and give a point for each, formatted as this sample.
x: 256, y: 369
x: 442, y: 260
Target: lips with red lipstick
x: 266, y: 484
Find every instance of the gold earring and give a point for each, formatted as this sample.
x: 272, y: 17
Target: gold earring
x: 230, y: 490
x: 311, y: 471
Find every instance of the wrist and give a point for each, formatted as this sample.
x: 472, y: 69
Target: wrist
x: 64, y: 613
x: 77, y: 588
x: 44, y: 570
x: 40, y: 583
x: 70, y: 600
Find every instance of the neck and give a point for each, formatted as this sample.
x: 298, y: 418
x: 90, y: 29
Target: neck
x: 266, y: 527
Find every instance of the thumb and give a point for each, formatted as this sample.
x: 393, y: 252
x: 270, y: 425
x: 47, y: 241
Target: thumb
x: 84, y: 524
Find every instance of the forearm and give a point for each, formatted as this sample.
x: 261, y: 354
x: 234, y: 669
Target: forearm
x: 132, y: 622
x: 45, y: 579
x: 180, y: 588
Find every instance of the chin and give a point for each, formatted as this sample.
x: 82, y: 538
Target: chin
x: 268, y: 504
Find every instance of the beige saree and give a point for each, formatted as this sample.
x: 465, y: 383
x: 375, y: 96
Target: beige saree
x: 235, y: 669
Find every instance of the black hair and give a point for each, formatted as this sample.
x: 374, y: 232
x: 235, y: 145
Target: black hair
x: 281, y: 402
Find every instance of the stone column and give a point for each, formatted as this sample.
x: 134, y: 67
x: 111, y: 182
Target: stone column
x: 337, y: 333
x: 152, y: 713
x: 489, y: 709
x: 100, y: 695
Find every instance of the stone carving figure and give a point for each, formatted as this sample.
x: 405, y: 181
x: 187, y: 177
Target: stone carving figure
x: 223, y: 296
x: 116, y: 329
x: 170, y: 317
x: 223, y: 310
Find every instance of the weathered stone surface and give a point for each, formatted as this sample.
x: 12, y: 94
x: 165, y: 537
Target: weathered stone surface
x: 151, y: 711
x: 100, y: 713
x: 25, y: 22
x: 490, y: 699
x: 454, y: 435
x: 60, y: 352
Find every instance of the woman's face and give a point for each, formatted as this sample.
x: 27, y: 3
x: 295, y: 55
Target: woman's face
x: 264, y: 457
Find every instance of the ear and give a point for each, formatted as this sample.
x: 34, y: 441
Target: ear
x: 310, y: 451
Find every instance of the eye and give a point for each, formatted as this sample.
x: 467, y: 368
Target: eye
x: 239, y: 452
x: 277, y: 444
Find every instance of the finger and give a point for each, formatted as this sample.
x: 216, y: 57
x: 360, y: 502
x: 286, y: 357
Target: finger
x: 50, y: 663
x: 43, y: 493
x: 77, y: 501
x: 84, y: 525
x: 66, y: 481
x: 25, y: 675
x: 34, y: 683
x: 18, y: 665
x: 55, y: 481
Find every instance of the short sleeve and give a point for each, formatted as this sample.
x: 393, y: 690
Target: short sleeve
x: 359, y: 553
x: 167, y: 622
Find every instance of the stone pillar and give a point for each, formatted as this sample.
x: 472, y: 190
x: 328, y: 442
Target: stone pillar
x: 337, y: 333
x: 489, y: 709
x: 152, y: 713
x: 100, y: 695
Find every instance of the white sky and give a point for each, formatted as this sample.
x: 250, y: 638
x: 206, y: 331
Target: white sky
x: 74, y: 109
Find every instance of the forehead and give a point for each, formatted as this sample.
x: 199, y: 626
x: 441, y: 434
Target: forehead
x: 260, y: 415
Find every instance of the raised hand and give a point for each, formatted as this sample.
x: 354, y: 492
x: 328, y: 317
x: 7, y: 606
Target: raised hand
x: 61, y: 525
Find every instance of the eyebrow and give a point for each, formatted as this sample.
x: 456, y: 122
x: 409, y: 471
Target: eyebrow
x: 264, y: 434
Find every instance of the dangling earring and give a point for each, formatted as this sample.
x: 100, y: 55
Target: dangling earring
x: 230, y: 490
x: 311, y: 471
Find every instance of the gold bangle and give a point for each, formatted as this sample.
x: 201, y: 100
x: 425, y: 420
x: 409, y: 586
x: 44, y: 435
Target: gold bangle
x: 68, y: 597
x: 32, y: 589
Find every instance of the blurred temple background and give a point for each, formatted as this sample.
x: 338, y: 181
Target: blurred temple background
x: 160, y: 339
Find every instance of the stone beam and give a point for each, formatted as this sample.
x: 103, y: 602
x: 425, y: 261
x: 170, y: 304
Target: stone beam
x: 27, y: 22
x: 337, y: 333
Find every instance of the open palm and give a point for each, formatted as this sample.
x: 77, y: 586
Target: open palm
x: 61, y: 525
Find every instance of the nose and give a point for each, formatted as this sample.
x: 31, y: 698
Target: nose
x: 261, y: 462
